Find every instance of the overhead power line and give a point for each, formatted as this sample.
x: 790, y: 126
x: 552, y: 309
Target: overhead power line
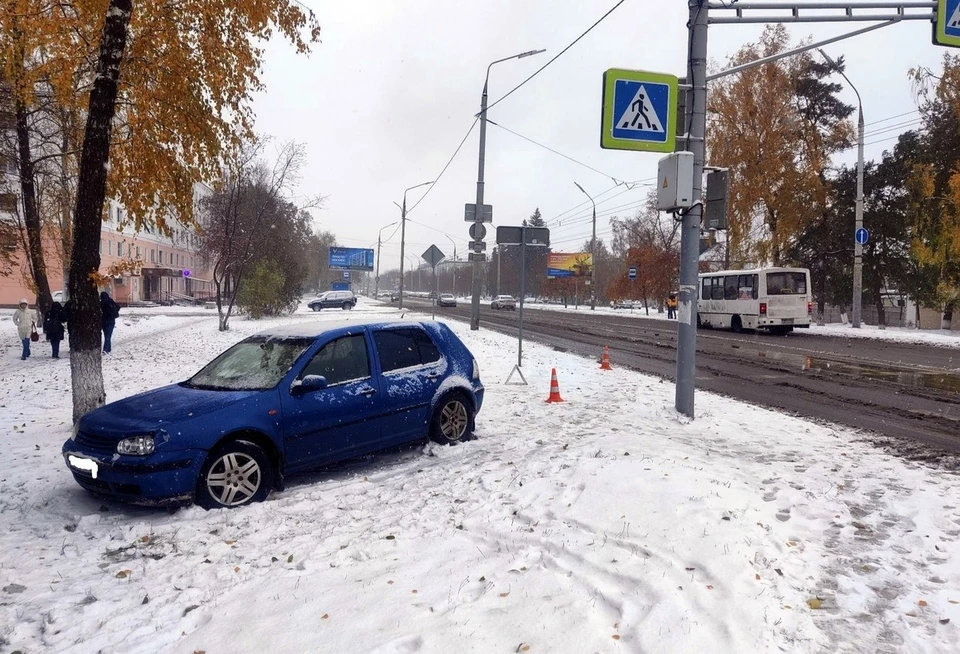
x: 450, y: 161
x: 557, y: 56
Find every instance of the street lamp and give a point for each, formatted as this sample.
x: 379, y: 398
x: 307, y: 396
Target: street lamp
x: 857, y: 247
x: 376, y: 285
x: 403, y: 233
x: 477, y: 252
x: 454, y: 264
x: 593, y: 252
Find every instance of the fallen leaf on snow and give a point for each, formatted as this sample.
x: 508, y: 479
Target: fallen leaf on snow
x: 954, y: 601
x: 123, y: 574
x: 944, y: 620
x: 709, y: 587
x: 504, y: 594
x: 236, y: 568
x: 922, y: 603
x: 616, y: 636
x: 325, y: 616
x: 757, y: 576
x: 815, y: 603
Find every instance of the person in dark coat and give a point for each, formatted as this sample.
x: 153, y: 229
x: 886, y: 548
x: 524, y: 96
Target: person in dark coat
x: 53, y: 327
x: 109, y: 311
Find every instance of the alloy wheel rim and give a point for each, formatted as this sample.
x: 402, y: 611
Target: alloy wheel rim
x: 234, y: 479
x: 453, y: 420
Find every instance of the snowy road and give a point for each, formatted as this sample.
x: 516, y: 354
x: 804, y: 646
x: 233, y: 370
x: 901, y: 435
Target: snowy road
x: 604, y: 524
x: 899, y: 389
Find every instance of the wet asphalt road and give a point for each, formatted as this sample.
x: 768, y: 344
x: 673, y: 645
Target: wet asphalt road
x: 909, y: 393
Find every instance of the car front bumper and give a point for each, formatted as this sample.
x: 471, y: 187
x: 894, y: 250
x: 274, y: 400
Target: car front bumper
x: 160, y: 478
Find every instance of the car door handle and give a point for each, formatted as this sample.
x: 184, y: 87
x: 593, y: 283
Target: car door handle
x: 368, y: 391
x: 433, y: 375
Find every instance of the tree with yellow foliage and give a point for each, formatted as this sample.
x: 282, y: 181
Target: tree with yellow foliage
x: 166, y: 102
x: 934, y: 185
x: 766, y: 125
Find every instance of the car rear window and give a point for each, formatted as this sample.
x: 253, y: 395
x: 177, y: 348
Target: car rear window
x: 404, y: 348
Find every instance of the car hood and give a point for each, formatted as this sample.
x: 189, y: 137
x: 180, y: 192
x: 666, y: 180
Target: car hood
x: 158, y: 408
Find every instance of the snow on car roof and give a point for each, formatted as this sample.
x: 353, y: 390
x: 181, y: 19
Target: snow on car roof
x: 314, y: 328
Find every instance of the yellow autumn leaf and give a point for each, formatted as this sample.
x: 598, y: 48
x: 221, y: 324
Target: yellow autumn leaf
x: 815, y: 603
x: 922, y: 603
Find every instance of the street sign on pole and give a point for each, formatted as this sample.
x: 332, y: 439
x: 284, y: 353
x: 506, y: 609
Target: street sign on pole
x: 862, y: 235
x: 632, y: 272
x: 946, y: 30
x: 639, y: 111
x: 346, y: 274
x: 470, y: 213
x: 477, y: 231
x: 433, y: 256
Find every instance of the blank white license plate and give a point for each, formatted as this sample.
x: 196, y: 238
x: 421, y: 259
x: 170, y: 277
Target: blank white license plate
x: 788, y: 321
x: 80, y: 463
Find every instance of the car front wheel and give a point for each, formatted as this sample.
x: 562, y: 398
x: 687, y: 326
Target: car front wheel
x: 452, y: 420
x: 315, y: 307
x: 235, y: 474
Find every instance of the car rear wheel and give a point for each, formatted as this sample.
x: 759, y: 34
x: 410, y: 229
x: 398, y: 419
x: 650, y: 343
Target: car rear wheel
x: 235, y: 474
x: 452, y: 420
x: 347, y: 306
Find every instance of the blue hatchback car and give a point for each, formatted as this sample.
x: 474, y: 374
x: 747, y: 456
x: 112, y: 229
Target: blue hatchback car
x: 277, y: 403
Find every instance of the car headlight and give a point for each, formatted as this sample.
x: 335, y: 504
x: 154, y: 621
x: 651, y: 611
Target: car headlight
x: 136, y: 445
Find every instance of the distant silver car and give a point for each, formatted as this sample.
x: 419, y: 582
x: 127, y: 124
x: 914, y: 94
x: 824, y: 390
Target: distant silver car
x: 447, y: 300
x: 502, y: 302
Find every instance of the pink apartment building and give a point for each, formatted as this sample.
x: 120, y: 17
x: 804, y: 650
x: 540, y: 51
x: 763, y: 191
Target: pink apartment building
x: 170, y: 268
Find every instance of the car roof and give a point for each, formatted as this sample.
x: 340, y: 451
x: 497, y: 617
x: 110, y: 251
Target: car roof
x: 315, y: 328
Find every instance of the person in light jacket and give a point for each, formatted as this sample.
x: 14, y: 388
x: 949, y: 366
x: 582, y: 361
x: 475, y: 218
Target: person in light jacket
x: 25, y: 319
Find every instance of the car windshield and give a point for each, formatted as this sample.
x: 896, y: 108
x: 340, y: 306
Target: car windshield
x: 257, y: 363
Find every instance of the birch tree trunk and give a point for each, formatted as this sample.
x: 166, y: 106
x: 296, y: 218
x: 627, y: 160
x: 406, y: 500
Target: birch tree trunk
x: 85, y: 359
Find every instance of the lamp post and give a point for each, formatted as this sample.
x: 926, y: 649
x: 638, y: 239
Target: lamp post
x: 593, y: 252
x: 403, y: 233
x: 376, y: 285
x: 857, y: 247
x: 475, y: 301
x: 452, y: 242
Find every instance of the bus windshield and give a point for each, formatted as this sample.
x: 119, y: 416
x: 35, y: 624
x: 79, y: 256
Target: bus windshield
x: 786, y: 283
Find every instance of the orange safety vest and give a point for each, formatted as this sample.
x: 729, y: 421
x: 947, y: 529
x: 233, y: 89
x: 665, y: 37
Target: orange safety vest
x: 672, y: 302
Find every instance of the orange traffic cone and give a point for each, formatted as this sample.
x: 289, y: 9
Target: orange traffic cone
x: 554, y: 388
x: 605, y: 359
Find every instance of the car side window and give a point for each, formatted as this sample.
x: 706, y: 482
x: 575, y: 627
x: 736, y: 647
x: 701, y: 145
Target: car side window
x: 404, y: 348
x: 342, y: 360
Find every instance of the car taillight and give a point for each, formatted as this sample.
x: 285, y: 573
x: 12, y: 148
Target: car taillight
x: 763, y: 308
x: 809, y: 308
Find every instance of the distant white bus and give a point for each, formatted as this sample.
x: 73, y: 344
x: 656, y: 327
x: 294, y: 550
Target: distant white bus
x: 777, y: 299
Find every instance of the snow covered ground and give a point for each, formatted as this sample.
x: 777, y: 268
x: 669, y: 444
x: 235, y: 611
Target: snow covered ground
x: 604, y: 524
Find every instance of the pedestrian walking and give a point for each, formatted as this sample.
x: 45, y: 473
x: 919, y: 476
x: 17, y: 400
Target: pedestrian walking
x: 109, y: 311
x: 53, y: 327
x: 672, y: 306
x: 25, y: 319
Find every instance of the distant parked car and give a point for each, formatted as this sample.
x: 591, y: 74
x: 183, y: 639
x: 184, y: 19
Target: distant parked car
x: 447, y: 300
x: 504, y: 302
x: 333, y: 300
x: 279, y: 402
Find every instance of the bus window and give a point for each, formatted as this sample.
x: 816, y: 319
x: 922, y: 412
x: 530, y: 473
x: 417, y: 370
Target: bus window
x: 730, y: 287
x: 786, y: 283
x: 717, y: 291
x: 747, y: 287
x: 705, y: 289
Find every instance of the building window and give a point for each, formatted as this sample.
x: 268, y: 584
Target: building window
x: 119, y: 249
x: 101, y: 246
x: 138, y: 251
x: 160, y: 255
x: 153, y: 256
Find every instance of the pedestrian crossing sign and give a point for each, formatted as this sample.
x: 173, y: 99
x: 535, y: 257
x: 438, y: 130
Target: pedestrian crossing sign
x: 639, y: 111
x: 947, y: 27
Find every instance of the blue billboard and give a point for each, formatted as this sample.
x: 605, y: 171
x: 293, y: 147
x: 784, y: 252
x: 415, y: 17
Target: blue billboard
x: 341, y: 286
x: 351, y: 258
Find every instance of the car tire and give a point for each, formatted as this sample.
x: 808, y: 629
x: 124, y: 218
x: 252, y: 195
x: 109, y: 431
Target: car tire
x: 452, y: 420
x: 347, y: 306
x: 315, y: 307
x: 235, y: 474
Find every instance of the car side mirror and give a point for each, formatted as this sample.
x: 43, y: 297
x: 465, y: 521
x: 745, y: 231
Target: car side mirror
x: 308, y: 383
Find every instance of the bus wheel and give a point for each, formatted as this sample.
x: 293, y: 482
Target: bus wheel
x: 736, y: 325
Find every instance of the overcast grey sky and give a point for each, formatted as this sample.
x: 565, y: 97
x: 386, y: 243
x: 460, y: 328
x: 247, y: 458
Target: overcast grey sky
x: 384, y: 101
